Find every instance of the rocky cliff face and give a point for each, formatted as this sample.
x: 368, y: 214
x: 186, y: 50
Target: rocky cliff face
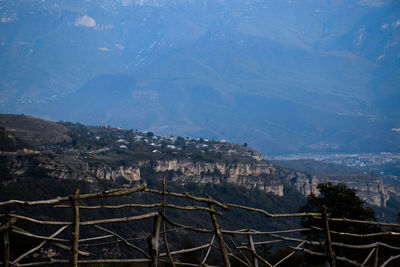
x: 130, y: 174
x: 25, y: 163
x: 271, y: 178
x: 258, y: 174
x: 368, y: 186
x: 253, y: 174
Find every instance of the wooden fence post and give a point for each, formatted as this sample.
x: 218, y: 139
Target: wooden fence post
x: 75, y: 205
x: 171, y: 260
x: 6, y: 242
x: 331, y: 253
x: 218, y: 233
x: 155, y: 240
x: 253, y: 249
x: 376, y: 257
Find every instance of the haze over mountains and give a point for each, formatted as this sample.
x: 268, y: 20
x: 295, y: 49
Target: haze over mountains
x: 283, y: 76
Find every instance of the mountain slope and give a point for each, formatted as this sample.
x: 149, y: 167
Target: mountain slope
x: 299, y: 75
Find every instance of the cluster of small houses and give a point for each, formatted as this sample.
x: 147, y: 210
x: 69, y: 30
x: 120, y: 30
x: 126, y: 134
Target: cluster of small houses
x: 199, y: 143
x: 155, y: 141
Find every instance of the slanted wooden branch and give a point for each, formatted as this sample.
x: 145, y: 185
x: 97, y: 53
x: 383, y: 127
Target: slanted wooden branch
x: 189, y: 196
x: 39, y: 221
x: 390, y: 259
x: 127, y: 205
x: 40, y: 245
x: 253, y: 232
x: 155, y: 205
x: 253, y: 250
x: 359, y: 221
x: 111, y: 242
x: 100, y: 261
x: 241, y: 253
x: 189, y: 264
x: 258, y: 256
x: 238, y: 259
x: 359, y: 235
x: 34, y: 203
x: 186, y: 250
x: 352, y: 262
x: 108, y: 193
x: 123, y: 240
x: 124, y: 219
x: 372, y: 245
x: 369, y: 256
x: 68, y: 248
x: 218, y: 233
x: 303, y: 214
x: 94, y: 238
x: 26, y: 233
x: 187, y: 227
x: 290, y: 254
x: 208, y: 250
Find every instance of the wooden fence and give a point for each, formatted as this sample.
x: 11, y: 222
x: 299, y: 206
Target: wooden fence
x: 228, y: 245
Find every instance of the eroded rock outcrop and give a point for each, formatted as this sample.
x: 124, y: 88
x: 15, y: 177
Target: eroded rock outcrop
x: 368, y: 186
x: 131, y: 174
x: 271, y: 178
x: 259, y: 175
x: 66, y: 167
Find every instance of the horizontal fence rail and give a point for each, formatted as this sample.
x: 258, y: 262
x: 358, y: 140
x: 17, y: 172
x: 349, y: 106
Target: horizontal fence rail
x: 242, y: 246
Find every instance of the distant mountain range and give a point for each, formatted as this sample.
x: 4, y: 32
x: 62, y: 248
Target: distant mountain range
x: 282, y: 76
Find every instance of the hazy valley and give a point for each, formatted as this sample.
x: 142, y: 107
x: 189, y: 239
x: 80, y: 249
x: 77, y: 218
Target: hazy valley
x: 283, y: 76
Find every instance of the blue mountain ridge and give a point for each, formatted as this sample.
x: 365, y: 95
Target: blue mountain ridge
x: 283, y: 76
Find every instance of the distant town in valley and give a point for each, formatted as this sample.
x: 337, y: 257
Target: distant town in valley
x: 385, y: 164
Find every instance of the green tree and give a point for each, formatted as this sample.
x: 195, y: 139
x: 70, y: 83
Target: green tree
x: 340, y: 202
x: 180, y: 142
